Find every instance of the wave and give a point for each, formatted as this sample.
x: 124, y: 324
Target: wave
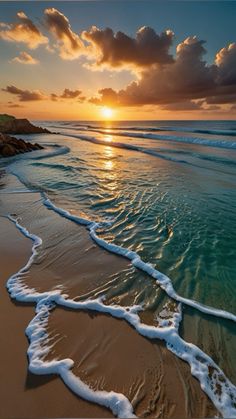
x: 57, y: 150
x: 188, y: 140
x: 152, y: 152
x: 125, y: 146
x: 212, y: 380
x: 162, y: 280
x: 222, y: 132
x: 37, y: 335
x: 226, y: 144
x: 65, y: 149
x: 56, y: 166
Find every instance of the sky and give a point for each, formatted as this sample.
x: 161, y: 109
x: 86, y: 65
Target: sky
x: 117, y: 59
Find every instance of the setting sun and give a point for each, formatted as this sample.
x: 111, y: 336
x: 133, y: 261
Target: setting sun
x: 107, y: 113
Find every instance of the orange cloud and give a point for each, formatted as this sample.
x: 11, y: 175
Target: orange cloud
x: 25, y: 58
x: 69, y: 43
x: 36, y: 95
x: 25, y: 95
x: 68, y: 94
x: 23, y: 31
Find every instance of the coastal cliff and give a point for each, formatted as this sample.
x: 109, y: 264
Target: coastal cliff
x: 10, y: 146
x: 11, y: 125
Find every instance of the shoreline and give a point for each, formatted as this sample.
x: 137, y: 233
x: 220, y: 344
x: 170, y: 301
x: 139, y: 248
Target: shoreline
x: 170, y: 372
x: 34, y: 396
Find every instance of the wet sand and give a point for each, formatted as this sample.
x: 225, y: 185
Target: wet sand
x: 108, y: 353
x: 24, y: 395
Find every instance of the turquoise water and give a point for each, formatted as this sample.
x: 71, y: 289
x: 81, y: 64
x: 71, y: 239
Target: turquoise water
x: 176, y: 208
x: 167, y: 190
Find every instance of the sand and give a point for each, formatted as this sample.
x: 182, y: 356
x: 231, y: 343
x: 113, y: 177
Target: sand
x: 108, y: 353
x: 24, y: 395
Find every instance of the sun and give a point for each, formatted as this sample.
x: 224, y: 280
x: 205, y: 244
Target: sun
x: 107, y: 113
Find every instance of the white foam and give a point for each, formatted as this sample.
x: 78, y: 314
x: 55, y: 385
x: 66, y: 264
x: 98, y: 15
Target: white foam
x: 125, y: 146
x: 57, y: 150
x: 143, y: 129
x: 189, y: 140
x: 212, y: 380
x: 227, y: 144
x: 38, y: 349
x: 163, y: 280
x: 36, y: 332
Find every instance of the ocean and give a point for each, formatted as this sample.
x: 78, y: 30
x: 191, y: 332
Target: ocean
x: 161, y: 194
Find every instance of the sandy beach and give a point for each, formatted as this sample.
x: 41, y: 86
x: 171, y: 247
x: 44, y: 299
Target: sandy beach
x: 108, y: 353
x: 117, y: 209
x: 24, y: 395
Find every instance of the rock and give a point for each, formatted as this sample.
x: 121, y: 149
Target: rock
x: 10, y: 146
x: 11, y: 125
x: 39, y: 147
x: 8, y: 150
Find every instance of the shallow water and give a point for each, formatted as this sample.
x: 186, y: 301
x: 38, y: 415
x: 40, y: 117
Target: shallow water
x: 167, y: 191
x: 177, y: 214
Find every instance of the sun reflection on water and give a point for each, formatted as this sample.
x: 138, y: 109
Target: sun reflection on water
x: 108, y: 138
x: 109, y: 155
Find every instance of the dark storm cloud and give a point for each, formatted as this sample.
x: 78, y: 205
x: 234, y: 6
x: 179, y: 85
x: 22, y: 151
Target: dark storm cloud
x: 189, y: 77
x: 118, y: 49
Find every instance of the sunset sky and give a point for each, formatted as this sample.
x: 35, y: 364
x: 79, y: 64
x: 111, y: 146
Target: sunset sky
x: 118, y: 59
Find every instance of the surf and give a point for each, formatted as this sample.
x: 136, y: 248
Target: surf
x: 199, y: 362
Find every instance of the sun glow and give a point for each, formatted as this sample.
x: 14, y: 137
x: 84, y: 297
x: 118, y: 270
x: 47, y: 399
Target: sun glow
x: 107, y: 113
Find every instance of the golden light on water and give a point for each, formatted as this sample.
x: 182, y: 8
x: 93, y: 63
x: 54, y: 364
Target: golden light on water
x: 107, y: 113
x: 108, y: 138
x: 108, y: 163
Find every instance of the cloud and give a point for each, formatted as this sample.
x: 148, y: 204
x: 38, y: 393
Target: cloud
x: 69, y: 43
x: 54, y: 97
x: 107, y: 97
x: 222, y: 98
x: 23, y: 31
x: 177, y: 81
x: 25, y: 95
x: 14, y: 105
x: 226, y: 62
x: 184, y: 106
x: 35, y: 95
x: 117, y: 50
x: 68, y: 94
x: 188, y: 78
x: 25, y: 58
x: 213, y: 108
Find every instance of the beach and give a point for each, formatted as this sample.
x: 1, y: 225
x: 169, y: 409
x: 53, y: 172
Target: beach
x: 108, y: 353
x: 115, y: 275
x: 117, y: 209
x: 34, y: 396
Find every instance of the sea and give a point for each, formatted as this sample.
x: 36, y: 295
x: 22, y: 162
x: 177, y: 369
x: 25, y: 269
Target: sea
x: 161, y: 194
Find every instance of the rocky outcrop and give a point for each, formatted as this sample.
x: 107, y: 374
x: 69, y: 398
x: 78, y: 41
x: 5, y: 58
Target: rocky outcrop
x: 10, y: 146
x: 11, y: 125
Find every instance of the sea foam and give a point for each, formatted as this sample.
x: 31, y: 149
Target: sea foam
x: 212, y: 380
x: 145, y: 134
